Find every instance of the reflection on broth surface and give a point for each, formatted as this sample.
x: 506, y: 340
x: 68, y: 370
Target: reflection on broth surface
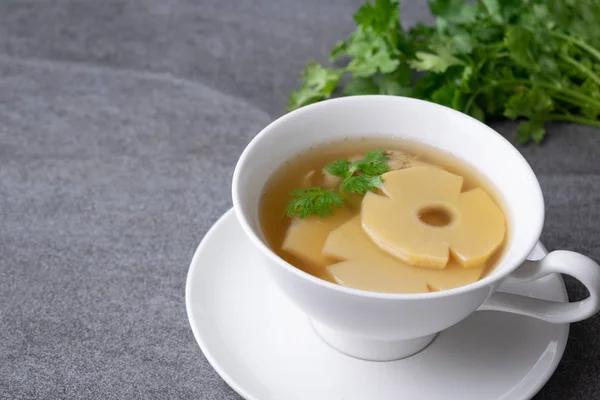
x: 384, y: 215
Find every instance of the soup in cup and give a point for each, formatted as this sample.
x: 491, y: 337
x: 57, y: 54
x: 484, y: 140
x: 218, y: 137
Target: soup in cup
x: 459, y: 176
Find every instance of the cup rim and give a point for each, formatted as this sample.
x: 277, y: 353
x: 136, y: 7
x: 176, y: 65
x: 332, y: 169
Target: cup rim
x: 521, y: 255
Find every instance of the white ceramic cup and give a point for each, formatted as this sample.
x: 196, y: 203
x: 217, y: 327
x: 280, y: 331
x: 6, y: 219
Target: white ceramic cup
x: 383, y: 326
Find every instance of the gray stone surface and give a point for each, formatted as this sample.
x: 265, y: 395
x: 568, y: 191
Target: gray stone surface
x: 120, y: 123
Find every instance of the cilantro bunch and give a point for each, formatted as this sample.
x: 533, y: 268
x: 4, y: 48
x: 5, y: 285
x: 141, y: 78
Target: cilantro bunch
x: 358, y: 177
x: 532, y: 60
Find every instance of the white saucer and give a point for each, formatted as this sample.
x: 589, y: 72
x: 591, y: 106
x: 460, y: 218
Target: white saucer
x: 265, y: 349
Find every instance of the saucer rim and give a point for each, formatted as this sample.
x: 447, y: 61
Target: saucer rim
x: 229, y: 380
x: 188, y: 306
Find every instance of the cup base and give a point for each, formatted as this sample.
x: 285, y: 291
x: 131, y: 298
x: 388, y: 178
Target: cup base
x: 371, y: 349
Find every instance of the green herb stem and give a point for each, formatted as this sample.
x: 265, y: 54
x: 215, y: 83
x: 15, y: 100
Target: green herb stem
x: 501, y: 54
x: 393, y: 39
x: 521, y: 82
x: 578, y: 42
x: 573, y: 118
x: 589, y: 73
x: 567, y: 92
x: 569, y: 100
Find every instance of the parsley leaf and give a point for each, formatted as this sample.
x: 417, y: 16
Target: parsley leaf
x: 522, y: 46
x: 452, y: 12
x: 318, y: 84
x: 379, y: 17
x: 529, y: 103
x: 530, y: 130
x: 592, y: 90
x: 339, y: 168
x: 493, y: 8
x: 359, y: 177
x: 361, y: 184
x: 433, y: 62
x: 371, y: 53
x: 313, y: 201
x: 374, y: 163
x: 360, y: 86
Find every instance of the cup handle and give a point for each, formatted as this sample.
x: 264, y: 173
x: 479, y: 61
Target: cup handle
x: 582, y: 268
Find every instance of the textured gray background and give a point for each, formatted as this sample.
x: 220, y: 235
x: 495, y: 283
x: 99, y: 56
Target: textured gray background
x: 120, y: 123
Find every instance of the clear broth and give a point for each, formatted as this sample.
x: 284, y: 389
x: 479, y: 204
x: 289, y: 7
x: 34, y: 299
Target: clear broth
x: 291, y: 175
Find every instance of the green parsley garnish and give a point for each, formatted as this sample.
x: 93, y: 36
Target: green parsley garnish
x: 533, y: 60
x: 361, y: 184
x: 360, y: 177
x: 370, y: 168
x: 313, y: 201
